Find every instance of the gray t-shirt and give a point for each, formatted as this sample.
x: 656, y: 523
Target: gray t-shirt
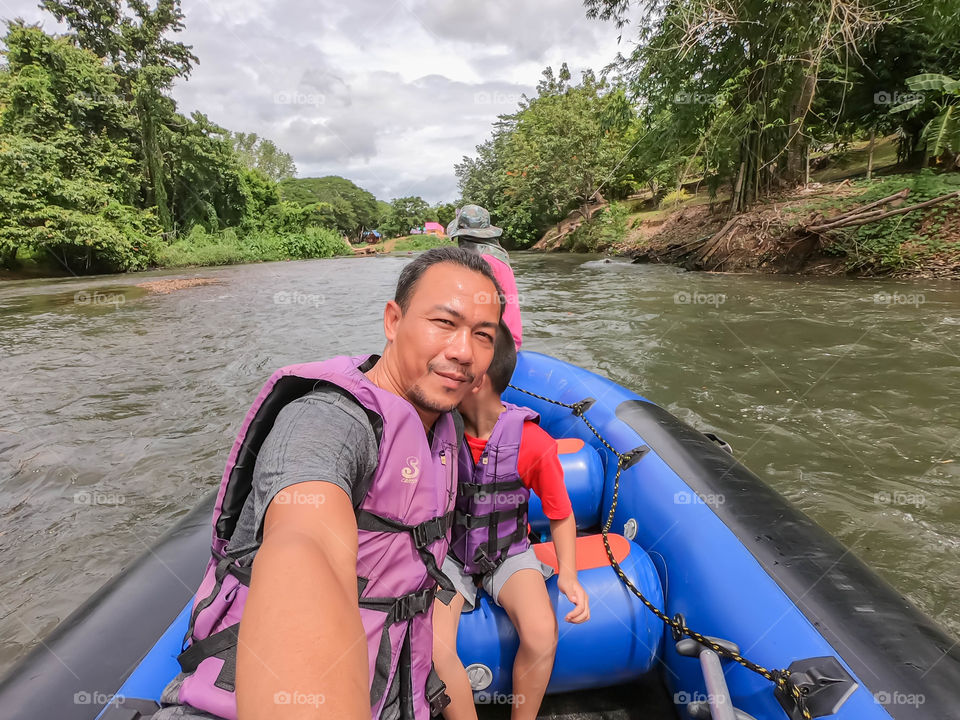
x: 323, y: 436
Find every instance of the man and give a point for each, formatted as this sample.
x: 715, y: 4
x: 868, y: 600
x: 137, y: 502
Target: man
x: 474, y: 232
x: 339, y: 491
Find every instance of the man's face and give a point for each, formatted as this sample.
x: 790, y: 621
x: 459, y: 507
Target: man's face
x: 444, y: 341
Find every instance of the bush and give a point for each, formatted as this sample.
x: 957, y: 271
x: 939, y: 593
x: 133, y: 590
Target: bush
x: 606, y: 228
x: 421, y: 242
x: 901, y: 240
x: 613, y: 224
x: 674, y: 199
x: 200, y: 247
x: 314, y: 242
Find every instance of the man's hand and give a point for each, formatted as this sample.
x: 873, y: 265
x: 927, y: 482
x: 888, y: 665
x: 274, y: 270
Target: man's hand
x: 574, y: 592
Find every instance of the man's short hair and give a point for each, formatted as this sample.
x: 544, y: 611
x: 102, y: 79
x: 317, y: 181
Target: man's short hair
x: 504, y: 359
x: 412, y: 272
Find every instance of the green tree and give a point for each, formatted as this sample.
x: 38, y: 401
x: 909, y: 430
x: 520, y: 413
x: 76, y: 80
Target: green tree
x: 739, y: 88
x: 405, y: 214
x: 352, y: 208
x: 132, y: 35
x: 941, y: 135
x: 555, y: 154
x: 262, y: 154
x: 445, y: 212
x: 68, y: 171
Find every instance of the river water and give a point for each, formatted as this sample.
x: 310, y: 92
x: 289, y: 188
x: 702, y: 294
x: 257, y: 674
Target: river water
x: 119, y: 406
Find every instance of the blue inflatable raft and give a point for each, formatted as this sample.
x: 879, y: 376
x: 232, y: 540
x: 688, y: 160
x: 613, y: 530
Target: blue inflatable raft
x: 711, y: 596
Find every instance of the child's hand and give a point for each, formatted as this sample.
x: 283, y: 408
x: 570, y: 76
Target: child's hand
x: 575, y: 593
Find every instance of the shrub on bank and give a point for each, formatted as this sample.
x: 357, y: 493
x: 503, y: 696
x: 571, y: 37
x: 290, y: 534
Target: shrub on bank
x: 200, y: 247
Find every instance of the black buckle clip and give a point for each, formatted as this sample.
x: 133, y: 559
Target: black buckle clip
x: 438, y: 700
x: 428, y: 531
x: 483, y: 562
x: 413, y: 604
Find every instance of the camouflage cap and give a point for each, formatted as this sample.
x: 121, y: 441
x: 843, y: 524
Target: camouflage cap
x: 473, y: 221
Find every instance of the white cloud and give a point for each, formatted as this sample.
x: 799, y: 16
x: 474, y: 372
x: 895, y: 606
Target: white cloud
x: 388, y: 93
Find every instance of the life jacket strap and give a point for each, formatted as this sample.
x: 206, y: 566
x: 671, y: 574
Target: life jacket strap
x: 471, y: 522
x: 423, y: 535
x: 489, y: 555
x: 398, y: 610
x: 216, y: 645
x: 467, y: 490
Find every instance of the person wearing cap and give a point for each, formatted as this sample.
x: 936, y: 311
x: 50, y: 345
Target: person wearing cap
x: 474, y: 232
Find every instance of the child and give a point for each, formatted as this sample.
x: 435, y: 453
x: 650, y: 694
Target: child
x: 504, y: 445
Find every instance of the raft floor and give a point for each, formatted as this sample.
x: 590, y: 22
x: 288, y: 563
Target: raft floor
x: 644, y: 699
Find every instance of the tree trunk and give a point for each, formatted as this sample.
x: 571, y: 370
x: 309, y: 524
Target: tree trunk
x: 873, y: 137
x: 796, y: 141
x: 155, y: 175
x: 735, y: 199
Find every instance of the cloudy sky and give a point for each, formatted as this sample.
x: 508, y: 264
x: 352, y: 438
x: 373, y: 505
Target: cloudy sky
x: 389, y: 94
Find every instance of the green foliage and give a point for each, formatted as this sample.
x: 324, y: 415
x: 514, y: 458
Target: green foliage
x: 211, y: 185
x: 901, y: 240
x: 314, y: 242
x: 605, y: 229
x: 445, y: 213
x: 200, y: 247
x: 613, y: 224
x: 421, y: 242
x: 66, y: 164
x: 553, y: 155
x: 675, y: 198
x: 261, y: 154
x: 100, y: 173
x: 941, y: 135
x: 405, y: 214
x: 349, y: 208
x: 739, y: 95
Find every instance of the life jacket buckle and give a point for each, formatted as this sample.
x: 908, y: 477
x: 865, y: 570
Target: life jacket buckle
x: 483, y: 562
x: 438, y: 700
x: 426, y: 532
x: 408, y: 606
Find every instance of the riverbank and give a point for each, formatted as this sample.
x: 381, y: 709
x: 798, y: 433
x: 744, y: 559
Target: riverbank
x: 838, y: 224
x: 225, y: 249
x: 898, y: 225
x: 405, y: 243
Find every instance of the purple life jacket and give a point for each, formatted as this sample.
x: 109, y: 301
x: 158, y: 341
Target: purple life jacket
x: 403, y: 524
x: 490, y: 524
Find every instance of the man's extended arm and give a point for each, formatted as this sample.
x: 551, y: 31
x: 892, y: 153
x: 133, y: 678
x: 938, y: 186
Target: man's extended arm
x: 302, y: 650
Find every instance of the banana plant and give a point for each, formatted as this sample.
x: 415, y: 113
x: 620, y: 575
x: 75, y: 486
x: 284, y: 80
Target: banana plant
x: 942, y: 133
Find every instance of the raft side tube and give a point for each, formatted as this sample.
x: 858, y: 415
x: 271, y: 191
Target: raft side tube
x: 80, y: 665
x: 726, y: 589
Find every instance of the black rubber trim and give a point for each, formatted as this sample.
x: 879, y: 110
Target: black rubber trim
x: 895, y: 647
x: 93, y: 651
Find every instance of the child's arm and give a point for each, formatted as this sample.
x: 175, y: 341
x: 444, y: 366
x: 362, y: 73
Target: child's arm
x: 540, y: 469
x: 564, y: 534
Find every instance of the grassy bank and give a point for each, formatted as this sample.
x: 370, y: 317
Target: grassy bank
x: 201, y: 248
x: 405, y: 243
